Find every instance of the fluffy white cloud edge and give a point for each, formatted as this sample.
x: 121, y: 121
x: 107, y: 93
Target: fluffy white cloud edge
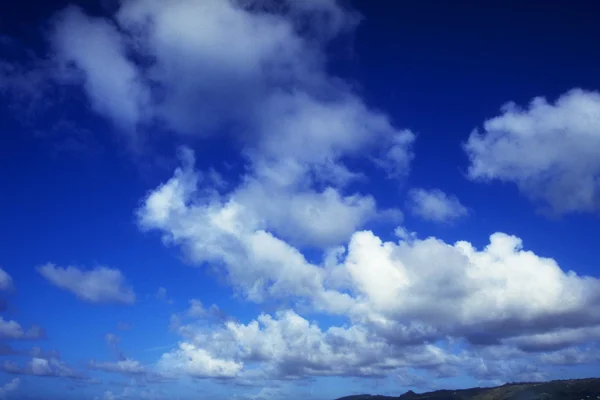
x: 549, y: 150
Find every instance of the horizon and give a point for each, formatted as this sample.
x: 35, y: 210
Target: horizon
x: 269, y: 199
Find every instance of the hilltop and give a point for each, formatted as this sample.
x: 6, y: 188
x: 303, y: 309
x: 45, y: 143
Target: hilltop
x: 574, y: 389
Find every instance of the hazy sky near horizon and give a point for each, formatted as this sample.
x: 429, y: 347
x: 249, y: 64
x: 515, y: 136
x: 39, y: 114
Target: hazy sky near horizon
x: 261, y: 199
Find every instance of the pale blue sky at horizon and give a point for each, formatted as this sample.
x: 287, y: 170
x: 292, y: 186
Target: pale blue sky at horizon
x: 231, y: 199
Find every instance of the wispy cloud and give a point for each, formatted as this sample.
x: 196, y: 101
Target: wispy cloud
x: 435, y: 205
x: 6, y: 281
x: 98, y: 285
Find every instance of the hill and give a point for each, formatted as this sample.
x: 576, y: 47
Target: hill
x: 574, y: 389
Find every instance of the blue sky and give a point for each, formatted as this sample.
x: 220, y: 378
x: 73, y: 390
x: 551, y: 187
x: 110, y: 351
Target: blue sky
x: 263, y: 200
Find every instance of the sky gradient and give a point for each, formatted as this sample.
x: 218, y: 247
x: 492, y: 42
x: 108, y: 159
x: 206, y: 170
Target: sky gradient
x: 211, y: 199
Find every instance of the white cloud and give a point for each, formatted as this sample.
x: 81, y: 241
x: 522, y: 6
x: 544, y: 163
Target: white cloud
x: 547, y: 149
x: 127, y: 366
x: 43, y: 367
x: 435, y: 205
x: 288, y: 346
x: 12, y: 330
x: 460, y: 290
x: 9, y: 387
x: 98, y: 285
x: 251, y: 69
x: 306, y: 217
x: 259, y: 76
x: 500, y: 371
x: 314, y: 133
x: 198, y: 363
x: 444, y: 289
x: 6, y: 281
x: 137, y: 372
x: 231, y: 233
x: 197, y: 310
x: 394, y: 314
x: 397, y: 296
x: 119, y: 95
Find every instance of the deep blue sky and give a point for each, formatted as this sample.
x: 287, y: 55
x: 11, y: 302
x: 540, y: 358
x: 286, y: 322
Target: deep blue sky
x: 74, y: 186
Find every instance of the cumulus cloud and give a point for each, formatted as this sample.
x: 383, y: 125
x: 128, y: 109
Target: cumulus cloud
x: 6, y: 281
x: 435, y: 205
x: 98, y: 285
x: 12, y: 330
x: 547, y: 149
x: 231, y: 233
x: 442, y: 288
x: 198, y: 363
x: 500, y: 284
x: 291, y: 229
x: 291, y: 347
x: 398, y: 295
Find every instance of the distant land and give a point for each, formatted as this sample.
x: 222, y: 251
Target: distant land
x: 574, y: 389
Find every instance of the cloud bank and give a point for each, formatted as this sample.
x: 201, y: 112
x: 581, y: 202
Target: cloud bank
x: 294, y: 227
x: 398, y: 295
